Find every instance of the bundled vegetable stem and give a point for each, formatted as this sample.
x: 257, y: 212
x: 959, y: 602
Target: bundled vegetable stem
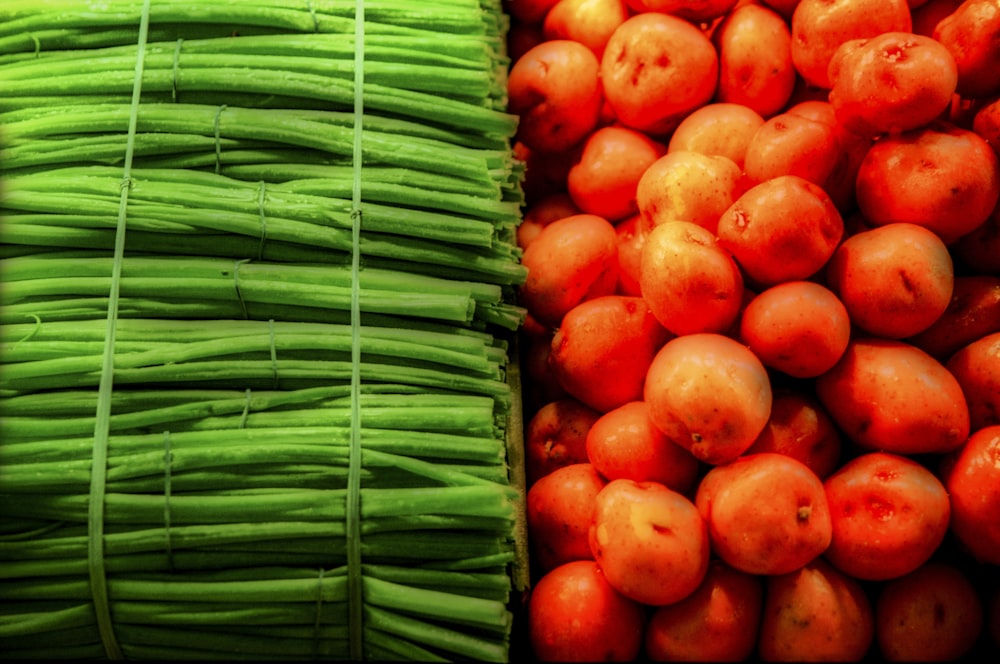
x: 308, y: 418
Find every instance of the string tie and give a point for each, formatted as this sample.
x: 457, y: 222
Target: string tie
x: 355, y: 585
x: 97, y: 573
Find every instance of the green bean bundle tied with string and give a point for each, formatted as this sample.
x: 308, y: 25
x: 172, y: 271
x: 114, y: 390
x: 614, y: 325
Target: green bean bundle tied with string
x: 257, y: 397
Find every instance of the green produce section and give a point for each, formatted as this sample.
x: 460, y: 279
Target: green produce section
x: 257, y: 331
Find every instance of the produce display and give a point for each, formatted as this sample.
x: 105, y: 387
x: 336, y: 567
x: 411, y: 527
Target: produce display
x: 257, y: 316
x: 761, y: 357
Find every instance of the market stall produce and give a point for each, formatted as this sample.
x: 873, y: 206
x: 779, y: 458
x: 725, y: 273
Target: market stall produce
x: 762, y: 352
x: 257, y: 398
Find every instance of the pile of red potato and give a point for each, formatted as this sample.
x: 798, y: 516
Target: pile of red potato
x: 761, y: 366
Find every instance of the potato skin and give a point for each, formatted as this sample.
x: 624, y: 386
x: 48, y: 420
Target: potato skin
x: 891, y: 396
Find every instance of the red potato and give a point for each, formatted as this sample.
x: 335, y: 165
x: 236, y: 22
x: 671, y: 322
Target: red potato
x: 783, y: 229
x: 972, y: 477
x: 632, y: 233
x: 973, y: 313
x: 690, y: 283
x: 931, y: 614
x: 755, y: 59
x: 603, y: 348
x: 548, y: 171
x: 841, y: 181
x: 895, y: 281
x: 696, y: 11
x: 792, y: 143
x: 784, y: 7
x: 555, y: 90
x: 709, y: 394
x: 556, y: 436
x: 799, y: 328
x: 721, y: 129
x: 528, y: 11
x: 571, y: 260
x: 605, y: 178
x: 941, y: 177
x: 542, y: 213
x: 590, y: 22
x: 538, y: 385
x: 560, y: 510
x: 889, y: 515
x: 815, y: 613
x: 993, y: 617
x: 522, y: 37
x: 683, y: 185
x: 888, y: 395
x: 649, y: 541
x: 574, y: 615
x: 624, y: 444
x: 799, y: 427
x: 977, y: 250
x: 807, y: 140
x: 819, y: 27
x: 926, y: 17
x: 718, y: 622
x: 766, y: 513
x: 656, y: 69
x: 986, y: 123
x: 976, y: 367
x: 891, y: 83
x: 972, y: 34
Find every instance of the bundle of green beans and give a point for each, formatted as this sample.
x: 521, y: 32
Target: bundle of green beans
x: 301, y: 438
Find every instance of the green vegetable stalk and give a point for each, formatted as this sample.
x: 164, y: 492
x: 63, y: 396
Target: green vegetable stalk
x: 256, y: 394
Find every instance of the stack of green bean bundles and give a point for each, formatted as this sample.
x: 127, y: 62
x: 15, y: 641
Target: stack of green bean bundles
x: 258, y: 271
